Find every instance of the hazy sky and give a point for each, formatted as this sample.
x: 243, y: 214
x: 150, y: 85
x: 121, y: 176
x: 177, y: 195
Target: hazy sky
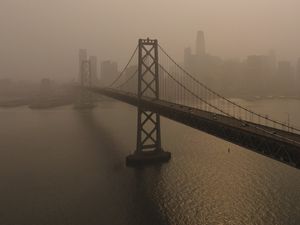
x: 41, y: 38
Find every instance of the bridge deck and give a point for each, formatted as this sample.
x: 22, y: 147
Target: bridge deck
x: 238, y: 124
x: 278, y: 144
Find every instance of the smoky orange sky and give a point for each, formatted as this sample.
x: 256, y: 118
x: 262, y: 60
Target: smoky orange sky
x: 41, y: 38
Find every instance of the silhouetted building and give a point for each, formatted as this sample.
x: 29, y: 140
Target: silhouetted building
x: 258, y: 63
x: 194, y: 62
x: 285, y: 69
x: 200, y: 44
x: 94, y: 69
x: 130, y: 79
x: 285, y: 77
x: 109, y: 71
x: 256, y: 75
x: 201, y: 64
x: 46, y: 87
x: 257, y: 71
x: 197, y: 62
x: 232, y: 78
x: 82, y: 57
x: 272, y: 61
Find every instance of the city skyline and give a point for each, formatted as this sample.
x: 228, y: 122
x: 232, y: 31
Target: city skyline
x: 140, y: 112
x: 253, y: 73
x: 262, y: 74
x: 32, y: 37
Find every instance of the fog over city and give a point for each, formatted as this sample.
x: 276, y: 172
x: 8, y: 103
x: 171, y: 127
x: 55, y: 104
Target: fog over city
x: 41, y: 38
x: 157, y: 112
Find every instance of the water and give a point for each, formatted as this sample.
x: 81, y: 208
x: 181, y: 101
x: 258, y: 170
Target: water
x: 61, y: 166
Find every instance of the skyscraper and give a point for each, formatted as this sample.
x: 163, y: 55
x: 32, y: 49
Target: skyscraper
x: 82, y: 57
x: 257, y: 71
x: 285, y: 69
x: 272, y: 61
x: 109, y: 71
x: 200, y: 44
x: 285, y: 76
x: 94, y: 70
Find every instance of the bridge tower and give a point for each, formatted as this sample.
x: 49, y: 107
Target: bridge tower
x: 148, y: 149
x: 85, y: 97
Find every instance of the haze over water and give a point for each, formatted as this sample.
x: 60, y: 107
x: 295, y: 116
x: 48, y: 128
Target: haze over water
x: 62, y: 166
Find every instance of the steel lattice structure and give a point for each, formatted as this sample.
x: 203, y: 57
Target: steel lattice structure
x: 148, y: 131
x: 85, y: 98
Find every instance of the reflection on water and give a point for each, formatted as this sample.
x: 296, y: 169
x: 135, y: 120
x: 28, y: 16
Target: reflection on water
x: 62, y: 166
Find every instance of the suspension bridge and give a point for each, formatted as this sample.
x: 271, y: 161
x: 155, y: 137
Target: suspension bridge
x: 158, y: 86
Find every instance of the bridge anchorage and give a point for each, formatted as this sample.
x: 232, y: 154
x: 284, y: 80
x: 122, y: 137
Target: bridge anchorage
x: 148, y: 147
x: 85, y: 97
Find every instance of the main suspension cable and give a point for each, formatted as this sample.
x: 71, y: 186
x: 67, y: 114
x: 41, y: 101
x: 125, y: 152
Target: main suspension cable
x: 124, y: 69
x: 222, y: 97
x: 223, y: 112
x: 129, y: 79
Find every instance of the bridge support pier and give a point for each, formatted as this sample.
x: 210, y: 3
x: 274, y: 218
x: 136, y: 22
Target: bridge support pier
x: 148, y: 150
x: 146, y: 158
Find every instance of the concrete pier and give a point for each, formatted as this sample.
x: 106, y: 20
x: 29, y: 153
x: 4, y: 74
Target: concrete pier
x: 146, y: 158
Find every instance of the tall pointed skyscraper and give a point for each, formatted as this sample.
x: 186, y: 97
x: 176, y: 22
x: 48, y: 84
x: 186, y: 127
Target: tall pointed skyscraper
x: 200, y: 44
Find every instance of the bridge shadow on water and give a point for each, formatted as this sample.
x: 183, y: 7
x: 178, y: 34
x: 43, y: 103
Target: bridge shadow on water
x: 123, y: 195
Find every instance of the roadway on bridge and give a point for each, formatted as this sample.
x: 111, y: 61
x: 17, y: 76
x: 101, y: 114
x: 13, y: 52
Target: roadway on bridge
x: 265, y: 131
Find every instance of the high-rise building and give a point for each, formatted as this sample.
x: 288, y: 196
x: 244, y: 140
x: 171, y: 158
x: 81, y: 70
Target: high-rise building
x: 258, y: 63
x: 257, y: 71
x: 201, y: 64
x: 46, y: 87
x: 285, y: 76
x: 82, y: 57
x: 285, y: 68
x: 109, y: 71
x: 272, y: 61
x: 132, y: 84
x: 200, y: 44
x: 94, y: 70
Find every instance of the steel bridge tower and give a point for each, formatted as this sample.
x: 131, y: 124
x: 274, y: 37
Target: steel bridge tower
x: 85, y: 97
x: 148, y: 148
